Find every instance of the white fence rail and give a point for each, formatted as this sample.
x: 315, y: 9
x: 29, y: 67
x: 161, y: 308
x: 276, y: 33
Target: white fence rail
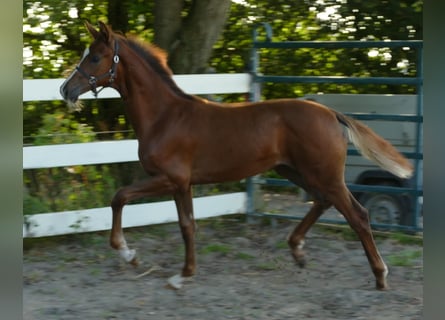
x: 63, y: 155
x: 34, y: 157
x: 48, y: 89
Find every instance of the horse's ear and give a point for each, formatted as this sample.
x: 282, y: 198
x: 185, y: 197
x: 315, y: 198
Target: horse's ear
x: 105, y: 31
x: 91, y: 30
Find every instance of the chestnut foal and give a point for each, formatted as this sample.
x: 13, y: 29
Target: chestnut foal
x: 185, y: 140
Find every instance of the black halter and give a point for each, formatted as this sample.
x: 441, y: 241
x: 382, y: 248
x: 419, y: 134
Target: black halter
x: 92, y: 80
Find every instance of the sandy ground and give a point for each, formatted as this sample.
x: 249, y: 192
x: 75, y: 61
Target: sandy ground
x: 245, y: 271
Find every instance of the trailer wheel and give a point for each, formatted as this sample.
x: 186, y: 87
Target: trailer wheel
x: 383, y: 208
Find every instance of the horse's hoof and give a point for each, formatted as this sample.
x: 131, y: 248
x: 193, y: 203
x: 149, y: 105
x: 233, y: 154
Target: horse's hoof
x: 300, y: 259
x: 134, y: 262
x: 127, y: 254
x: 176, y: 282
x: 301, y: 262
x: 382, y: 286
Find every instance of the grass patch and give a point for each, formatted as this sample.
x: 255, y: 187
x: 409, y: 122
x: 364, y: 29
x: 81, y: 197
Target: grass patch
x: 346, y: 233
x: 95, y: 272
x: 282, y: 245
x: 158, y: 231
x: 92, y: 239
x: 267, y: 266
x: 216, y: 248
x: 223, y: 223
x: 244, y: 256
x: 343, y: 232
x: 404, y: 238
x: 33, y: 277
x: 405, y: 258
x: 83, y: 239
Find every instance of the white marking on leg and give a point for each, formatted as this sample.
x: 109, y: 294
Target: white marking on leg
x: 385, y: 273
x: 126, y: 253
x: 385, y: 267
x: 300, y: 245
x: 176, y: 281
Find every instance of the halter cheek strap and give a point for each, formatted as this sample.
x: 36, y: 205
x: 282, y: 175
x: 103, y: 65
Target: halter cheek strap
x: 92, y: 80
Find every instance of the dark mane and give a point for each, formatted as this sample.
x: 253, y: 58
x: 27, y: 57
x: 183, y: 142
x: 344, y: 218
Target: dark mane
x: 157, y: 59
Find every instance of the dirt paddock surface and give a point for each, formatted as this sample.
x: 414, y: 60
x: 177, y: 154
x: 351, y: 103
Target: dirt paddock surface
x: 245, y: 271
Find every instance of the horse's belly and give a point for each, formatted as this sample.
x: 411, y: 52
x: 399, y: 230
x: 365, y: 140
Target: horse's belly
x: 223, y: 169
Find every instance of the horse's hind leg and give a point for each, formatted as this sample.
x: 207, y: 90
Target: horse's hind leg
x: 358, y: 219
x: 296, y: 238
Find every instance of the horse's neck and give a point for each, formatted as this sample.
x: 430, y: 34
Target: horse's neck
x: 147, y: 97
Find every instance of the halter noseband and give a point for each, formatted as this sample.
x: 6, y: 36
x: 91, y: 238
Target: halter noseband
x: 92, y: 80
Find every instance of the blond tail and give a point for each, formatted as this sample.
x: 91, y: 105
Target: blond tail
x: 375, y: 148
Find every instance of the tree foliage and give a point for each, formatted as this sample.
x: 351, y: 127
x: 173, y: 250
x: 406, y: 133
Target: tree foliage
x: 199, y: 35
x: 324, y: 20
x: 54, y: 38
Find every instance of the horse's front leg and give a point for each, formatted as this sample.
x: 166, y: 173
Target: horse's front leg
x: 184, y: 205
x: 155, y: 186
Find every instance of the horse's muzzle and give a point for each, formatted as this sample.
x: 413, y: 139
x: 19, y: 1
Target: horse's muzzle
x: 69, y: 95
x: 63, y: 91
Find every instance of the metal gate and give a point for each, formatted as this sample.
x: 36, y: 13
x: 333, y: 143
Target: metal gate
x: 415, y: 190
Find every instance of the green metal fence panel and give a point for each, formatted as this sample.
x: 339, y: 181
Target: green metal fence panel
x: 416, y: 190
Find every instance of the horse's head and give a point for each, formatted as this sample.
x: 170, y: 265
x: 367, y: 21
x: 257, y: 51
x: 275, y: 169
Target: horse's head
x: 97, y: 68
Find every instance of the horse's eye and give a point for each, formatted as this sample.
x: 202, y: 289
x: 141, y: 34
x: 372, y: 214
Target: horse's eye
x: 95, y: 59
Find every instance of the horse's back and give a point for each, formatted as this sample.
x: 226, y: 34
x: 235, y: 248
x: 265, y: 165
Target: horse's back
x: 292, y: 123
x: 309, y: 121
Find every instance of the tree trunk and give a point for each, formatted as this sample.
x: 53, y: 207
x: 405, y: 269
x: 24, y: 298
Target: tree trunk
x: 167, y: 22
x: 118, y: 15
x: 189, y: 41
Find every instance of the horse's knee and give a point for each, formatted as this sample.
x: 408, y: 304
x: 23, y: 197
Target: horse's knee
x: 119, y: 199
